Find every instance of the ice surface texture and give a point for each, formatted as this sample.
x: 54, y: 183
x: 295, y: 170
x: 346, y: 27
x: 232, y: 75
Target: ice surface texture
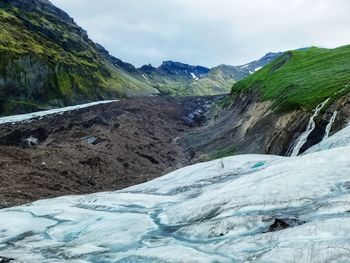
x: 249, y: 208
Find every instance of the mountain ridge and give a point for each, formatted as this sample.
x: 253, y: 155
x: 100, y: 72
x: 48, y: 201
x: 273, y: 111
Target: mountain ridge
x: 48, y: 61
x: 176, y: 78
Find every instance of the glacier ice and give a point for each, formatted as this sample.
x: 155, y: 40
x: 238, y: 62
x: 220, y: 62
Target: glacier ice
x: 247, y: 208
x: 38, y: 114
x: 340, y: 139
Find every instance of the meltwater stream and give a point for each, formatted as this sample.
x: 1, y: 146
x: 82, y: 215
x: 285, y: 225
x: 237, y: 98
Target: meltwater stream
x: 302, y: 139
x: 248, y: 208
x: 330, y: 125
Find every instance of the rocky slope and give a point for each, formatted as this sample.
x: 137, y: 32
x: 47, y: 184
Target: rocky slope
x: 270, y: 111
x: 97, y: 148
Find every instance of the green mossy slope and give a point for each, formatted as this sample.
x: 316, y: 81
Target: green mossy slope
x: 47, y: 61
x: 302, y: 78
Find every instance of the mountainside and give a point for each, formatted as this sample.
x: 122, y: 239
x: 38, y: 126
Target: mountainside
x: 284, y: 108
x: 47, y: 60
x: 179, y: 79
x: 302, y: 78
x: 174, y: 78
x: 256, y: 65
x: 247, y: 208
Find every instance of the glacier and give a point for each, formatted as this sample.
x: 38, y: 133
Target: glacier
x: 40, y: 114
x: 246, y: 208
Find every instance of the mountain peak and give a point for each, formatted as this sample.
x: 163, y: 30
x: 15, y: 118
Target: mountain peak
x: 43, y: 5
x: 147, y: 68
x: 177, y: 67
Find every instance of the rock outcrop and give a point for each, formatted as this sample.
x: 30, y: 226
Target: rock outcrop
x: 248, y: 125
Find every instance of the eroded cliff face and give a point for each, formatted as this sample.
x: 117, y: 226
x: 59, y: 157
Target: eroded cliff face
x: 249, y: 125
x: 24, y: 78
x: 29, y: 83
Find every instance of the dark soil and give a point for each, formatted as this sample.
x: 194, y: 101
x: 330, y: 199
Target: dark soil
x: 101, y: 148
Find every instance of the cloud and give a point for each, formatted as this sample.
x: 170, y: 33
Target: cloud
x: 209, y: 32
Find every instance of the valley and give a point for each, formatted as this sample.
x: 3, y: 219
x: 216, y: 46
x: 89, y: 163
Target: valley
x: 48, y: 61
x: 98, y: 148
x: 105, y: 161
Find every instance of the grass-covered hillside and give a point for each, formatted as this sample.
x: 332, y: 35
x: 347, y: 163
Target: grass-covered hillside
x: 46, y: 60
x: 302, y: 78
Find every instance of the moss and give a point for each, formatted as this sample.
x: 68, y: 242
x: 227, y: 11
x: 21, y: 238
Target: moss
x: 18, y: 107
x: 302, y: 79
x: 81, y: 84
x: 65, y: 84
x: 42, y: 34
x: 67, y: 66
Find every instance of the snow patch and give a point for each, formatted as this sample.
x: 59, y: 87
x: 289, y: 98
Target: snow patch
x: 194, y: 76
x: 32, y: 141
x: 29, y: 116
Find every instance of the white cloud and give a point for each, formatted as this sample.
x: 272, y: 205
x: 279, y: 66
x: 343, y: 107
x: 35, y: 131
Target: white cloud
x: 209, y: 32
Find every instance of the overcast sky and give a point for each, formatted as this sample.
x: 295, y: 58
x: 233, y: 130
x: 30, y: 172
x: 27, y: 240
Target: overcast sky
x: 209, y: 32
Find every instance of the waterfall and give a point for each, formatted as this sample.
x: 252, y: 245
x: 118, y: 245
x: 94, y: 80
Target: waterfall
x: 330, y: 124
x: 295, y: 148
